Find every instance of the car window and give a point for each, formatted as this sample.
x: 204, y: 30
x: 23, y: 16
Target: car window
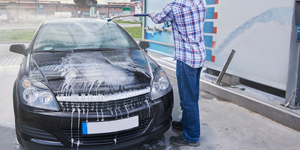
x: 82, y: 35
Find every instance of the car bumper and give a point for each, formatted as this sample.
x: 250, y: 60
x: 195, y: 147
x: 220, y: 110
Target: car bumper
x: 45, y: 129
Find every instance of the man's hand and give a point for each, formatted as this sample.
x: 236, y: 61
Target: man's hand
x: 151, y: 14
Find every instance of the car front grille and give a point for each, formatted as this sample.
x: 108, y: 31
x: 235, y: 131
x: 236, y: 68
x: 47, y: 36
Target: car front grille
x: 108, y: 138
x: 123, y: 104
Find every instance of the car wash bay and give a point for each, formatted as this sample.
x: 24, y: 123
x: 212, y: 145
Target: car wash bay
x: 224, y: 125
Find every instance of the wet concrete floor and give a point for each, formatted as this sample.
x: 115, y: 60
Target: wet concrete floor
x: 224, y: 126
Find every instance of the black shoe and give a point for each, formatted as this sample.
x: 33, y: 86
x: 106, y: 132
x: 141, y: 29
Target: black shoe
x: 179, y: 141
x: 177, y: 125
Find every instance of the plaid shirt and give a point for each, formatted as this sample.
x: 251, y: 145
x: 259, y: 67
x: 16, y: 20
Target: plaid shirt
x: 187, y: 17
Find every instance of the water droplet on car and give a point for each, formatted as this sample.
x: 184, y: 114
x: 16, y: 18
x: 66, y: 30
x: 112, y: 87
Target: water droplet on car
x: 78, y: 127
x: 116, y: 113
x: 72, y: 139
x: 97, y: 113
x: 87, y: 115
x: 126, y: 110
x: 102, y: 115
x: 147, y: 102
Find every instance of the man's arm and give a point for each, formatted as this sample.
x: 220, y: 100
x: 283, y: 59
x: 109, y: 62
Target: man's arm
x: 164, y: 16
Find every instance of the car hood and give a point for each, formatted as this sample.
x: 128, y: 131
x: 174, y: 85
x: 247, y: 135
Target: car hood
x: 92, y: 72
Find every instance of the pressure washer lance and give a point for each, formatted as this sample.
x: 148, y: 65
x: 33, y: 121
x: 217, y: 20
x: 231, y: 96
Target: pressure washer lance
x: 134, y: 15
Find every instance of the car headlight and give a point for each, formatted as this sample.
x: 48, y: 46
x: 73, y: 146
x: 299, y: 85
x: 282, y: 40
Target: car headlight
x: 160, y: 85
x: 36, y: 94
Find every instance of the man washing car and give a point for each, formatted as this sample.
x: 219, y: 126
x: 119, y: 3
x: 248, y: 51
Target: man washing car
x: 187, y: 18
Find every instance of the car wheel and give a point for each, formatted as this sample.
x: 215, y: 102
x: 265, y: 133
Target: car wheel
x: 16, y: 118
x: 18, y: 136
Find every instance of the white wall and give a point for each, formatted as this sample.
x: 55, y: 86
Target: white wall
x: 259, y: 31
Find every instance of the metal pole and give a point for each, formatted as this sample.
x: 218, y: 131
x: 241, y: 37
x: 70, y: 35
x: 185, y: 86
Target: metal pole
x: 297, y: 96
x: 108, y: 10
x: 18, y: 10
x: 144, y: 20
x: 222, y: 73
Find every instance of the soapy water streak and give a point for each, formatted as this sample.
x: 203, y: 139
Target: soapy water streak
x: 128, y: 65
x: 89, y: 84
x: 102, y: 115
x: 87, y: 116
x: 77, y: 107
x: 281, y: 15
x: 97, y: 113
x: 124, y: 61
x: 78, y: 142
x: 102, y: 97
x: 86, y: 75
x: 115, y: 140
x: 72, y: 139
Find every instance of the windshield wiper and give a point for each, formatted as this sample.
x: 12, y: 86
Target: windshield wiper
x: 54, y: 50
x: 76, y: 50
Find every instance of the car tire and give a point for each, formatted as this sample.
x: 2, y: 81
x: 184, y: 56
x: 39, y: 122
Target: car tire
x: 16, y: 118
x: 18, y: 136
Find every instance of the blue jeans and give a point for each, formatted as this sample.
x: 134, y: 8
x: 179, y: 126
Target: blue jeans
x: 188, y: 87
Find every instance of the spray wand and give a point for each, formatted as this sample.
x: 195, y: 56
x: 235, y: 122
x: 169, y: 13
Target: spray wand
x: 134, y: 15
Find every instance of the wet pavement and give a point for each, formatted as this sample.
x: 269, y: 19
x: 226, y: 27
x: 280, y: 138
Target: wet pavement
x: 224, y: 126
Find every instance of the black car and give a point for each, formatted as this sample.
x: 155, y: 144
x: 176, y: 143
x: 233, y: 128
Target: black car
x: 85, y: 83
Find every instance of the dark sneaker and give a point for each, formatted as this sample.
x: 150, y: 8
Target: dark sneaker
x: 177, y: 125
x: 179, y: 141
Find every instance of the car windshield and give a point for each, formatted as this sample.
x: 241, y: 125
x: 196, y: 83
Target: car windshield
x: 82, y: 35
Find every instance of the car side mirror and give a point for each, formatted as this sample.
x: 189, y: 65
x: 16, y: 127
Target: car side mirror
x: 144, y: 44
x: 18, y: 48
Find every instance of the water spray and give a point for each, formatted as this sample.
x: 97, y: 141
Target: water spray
x: 132, y: 15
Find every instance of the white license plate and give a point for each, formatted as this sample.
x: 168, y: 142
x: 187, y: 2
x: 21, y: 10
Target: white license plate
x: 110, y: 126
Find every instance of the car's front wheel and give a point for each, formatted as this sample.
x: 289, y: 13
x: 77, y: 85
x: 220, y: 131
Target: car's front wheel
x: 16, y: 118
x: 17, y: 134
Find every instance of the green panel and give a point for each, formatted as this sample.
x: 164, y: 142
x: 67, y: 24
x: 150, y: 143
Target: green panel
x: 92, y: 11
x: 126, y: 8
